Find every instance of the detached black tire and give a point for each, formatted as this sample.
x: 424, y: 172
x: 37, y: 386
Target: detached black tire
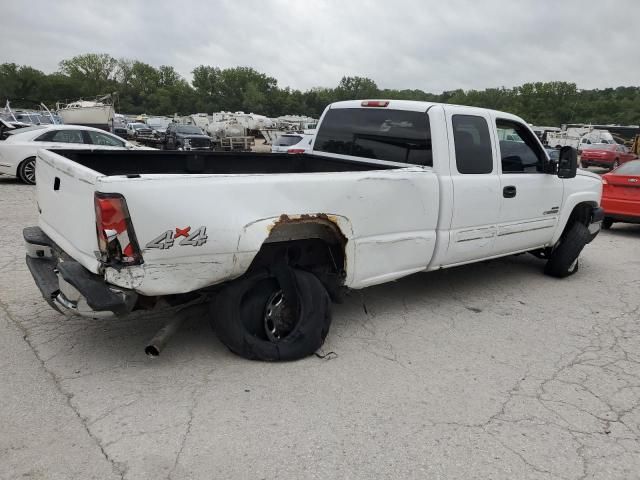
x: 27, y: 171
x: 563, y: 261
x: 251, y: 318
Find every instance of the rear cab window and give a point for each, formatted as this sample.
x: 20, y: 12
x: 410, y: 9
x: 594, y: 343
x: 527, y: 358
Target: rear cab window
x: 379, y: 133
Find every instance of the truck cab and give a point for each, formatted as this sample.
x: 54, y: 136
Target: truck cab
x: 499, y: 191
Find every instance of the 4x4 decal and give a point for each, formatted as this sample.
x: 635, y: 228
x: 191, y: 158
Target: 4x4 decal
x: 167, y: 239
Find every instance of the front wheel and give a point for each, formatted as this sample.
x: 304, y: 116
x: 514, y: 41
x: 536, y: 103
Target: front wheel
x: 607, y: 223
x: 27, y: 171
x: 616, y: 164
x: 563, y: 260
x: 256, y: 318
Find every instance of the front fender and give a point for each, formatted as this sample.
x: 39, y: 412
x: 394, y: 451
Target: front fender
x: 574, y: 199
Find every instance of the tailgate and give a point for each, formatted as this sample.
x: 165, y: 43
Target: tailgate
x: 65, y: 192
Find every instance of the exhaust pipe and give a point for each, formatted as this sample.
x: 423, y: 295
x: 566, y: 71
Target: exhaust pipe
x: 160, y: 339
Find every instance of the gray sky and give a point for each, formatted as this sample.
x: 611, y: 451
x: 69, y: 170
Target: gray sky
x: 429, y: 45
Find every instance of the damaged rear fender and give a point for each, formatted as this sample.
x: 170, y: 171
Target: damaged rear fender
x: 297, y: 227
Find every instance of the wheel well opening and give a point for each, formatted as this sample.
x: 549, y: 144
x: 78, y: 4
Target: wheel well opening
x: 315, y: 244
x: 581, y: 213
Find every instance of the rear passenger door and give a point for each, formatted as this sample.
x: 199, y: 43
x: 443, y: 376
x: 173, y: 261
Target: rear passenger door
x: 476, y: 185
x: 531, y: 199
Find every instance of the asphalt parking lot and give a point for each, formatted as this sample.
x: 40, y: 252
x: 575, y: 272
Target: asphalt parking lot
x: 486, y: 371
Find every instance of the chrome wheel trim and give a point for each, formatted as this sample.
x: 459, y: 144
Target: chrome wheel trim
x: 29, y: 171
x: 277, y: 321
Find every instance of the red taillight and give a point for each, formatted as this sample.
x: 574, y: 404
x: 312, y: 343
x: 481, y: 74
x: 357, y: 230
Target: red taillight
x: 116, y: 238
x: 375, y: 103
x: 295, y: 150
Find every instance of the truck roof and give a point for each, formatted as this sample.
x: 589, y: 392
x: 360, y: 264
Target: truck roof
x: 418, y: 106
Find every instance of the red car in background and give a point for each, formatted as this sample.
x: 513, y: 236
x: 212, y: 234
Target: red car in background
x: 606, y: 155
x: 621, y: 195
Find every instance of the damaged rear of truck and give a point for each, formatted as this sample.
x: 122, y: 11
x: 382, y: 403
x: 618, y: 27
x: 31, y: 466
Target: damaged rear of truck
x: 267, y: 239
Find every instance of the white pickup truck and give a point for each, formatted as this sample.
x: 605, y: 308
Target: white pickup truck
x: 391, y: 188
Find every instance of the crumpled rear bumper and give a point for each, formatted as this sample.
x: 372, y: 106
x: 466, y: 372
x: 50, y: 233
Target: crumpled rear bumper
x: 67, y: 286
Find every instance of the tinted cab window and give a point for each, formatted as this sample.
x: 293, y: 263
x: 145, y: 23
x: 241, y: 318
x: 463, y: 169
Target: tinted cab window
x: 379, y: 133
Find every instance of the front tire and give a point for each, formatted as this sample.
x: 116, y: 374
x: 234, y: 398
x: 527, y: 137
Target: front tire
x: 563, y: 260
x: 252, y: 318
x: 27, y: 171
x: 607, y: 223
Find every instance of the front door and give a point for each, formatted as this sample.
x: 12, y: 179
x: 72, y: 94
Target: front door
x: 531, y: 199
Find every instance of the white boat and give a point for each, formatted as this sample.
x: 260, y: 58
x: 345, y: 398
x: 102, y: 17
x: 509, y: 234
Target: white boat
x: 98, y: 114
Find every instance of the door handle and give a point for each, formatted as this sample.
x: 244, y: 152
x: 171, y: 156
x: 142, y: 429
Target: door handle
x: 509, y: 191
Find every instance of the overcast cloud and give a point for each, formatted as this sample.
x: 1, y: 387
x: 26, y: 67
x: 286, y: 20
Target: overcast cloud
x: 430, y: 45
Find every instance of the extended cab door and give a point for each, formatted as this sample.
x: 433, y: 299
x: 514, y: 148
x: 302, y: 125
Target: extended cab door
x: 531, y: 199
x: 476, y: 185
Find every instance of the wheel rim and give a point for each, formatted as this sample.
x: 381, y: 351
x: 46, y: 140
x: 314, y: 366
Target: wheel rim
x: 279, y: 320
x: 29, y: 171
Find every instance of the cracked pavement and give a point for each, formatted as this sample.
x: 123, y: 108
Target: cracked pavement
x: 486, y: 371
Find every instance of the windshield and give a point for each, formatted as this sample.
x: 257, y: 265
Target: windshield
x: 138, y: 126
x: 189, y: 129
x: 629, y: 168
x: 287, y: 140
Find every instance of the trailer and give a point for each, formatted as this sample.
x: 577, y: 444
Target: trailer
x: 236, y: 144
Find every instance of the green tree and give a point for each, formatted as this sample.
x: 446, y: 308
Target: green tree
x: 356, y: 88
x: 96, y: 71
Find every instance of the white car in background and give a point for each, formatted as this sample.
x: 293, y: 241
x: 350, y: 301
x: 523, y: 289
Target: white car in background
x: 293, y: 143
x: 18, y: 151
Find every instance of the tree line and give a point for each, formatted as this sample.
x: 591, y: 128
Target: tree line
x: 143, y: 88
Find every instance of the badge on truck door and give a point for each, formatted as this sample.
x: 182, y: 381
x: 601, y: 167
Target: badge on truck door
x: 167, y: 239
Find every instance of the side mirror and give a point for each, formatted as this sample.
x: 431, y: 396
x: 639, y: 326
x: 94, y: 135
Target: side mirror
x: 567, y: 162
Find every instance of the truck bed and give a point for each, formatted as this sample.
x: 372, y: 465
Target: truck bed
x: 138, y: 162
x: 387, y: 212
